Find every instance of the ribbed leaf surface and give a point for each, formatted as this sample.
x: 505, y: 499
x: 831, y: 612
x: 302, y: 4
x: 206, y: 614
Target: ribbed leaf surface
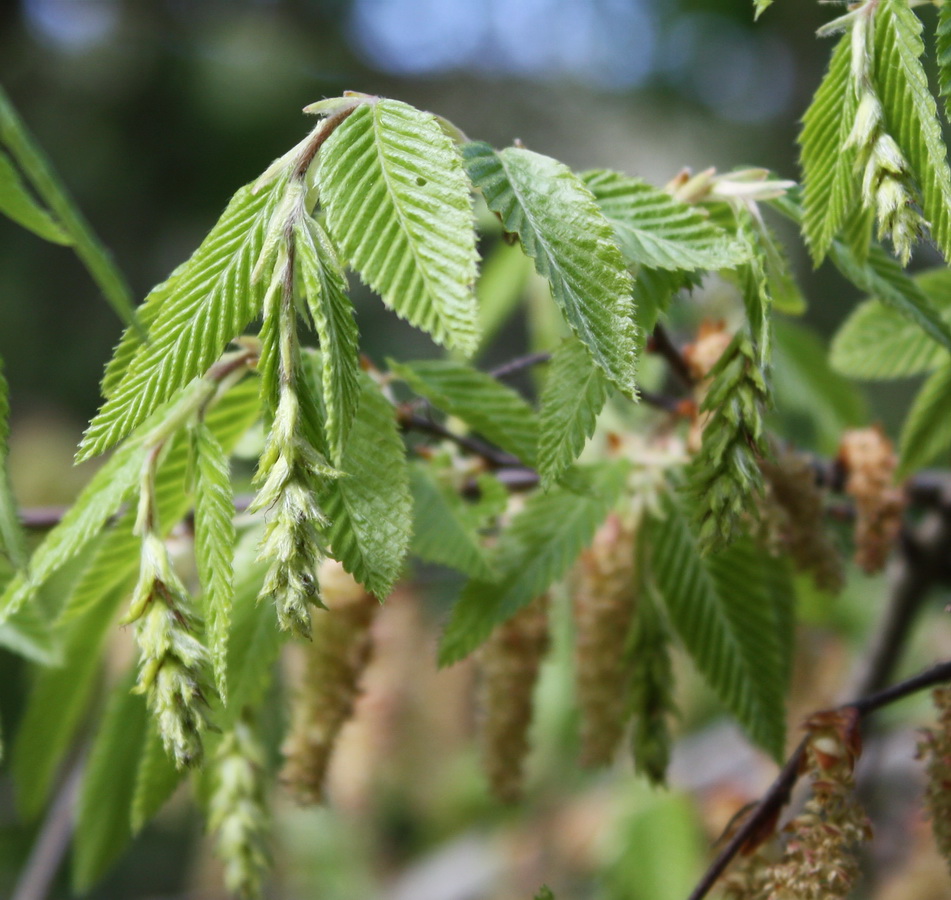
x: 442, y: 534
x: 828, y: 179
x: 561, y: 227
x: 325, y: 287
x: 17, y: 203
x: 370, y: 508
x: 485, y: 405
x: 926, y: 434
x: 654, y: 229
x: 911, y: 112
x: 943, y: 55
x: 12, y: 539
x: 208, y: 304
x: 536, y: 550
x: 214, y: 546
x: 399, y: 206
x: 575, y: 392
x: 726, y: 618
x: 877, y: 342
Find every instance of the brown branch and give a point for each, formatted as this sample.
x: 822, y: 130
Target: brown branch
x: 759, y: 823
x: 660, y: 343
x: 520, y: 363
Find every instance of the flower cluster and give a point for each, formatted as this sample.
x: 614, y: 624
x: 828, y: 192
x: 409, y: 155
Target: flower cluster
x: 935, y: 747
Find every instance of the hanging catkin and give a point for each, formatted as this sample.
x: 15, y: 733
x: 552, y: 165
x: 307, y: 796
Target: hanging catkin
x: 509, y: 664
x: 604, y: 602
x: 935, y: 748
x: 335, y: 660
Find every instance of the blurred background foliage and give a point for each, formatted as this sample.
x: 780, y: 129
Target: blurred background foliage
x: 153, y: 114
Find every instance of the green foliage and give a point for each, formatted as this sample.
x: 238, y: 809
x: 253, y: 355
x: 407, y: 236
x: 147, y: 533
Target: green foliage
x: 561, y: 228
x: 155, y: 779
x: 12, y: 539
x: 398, y: 204
x: 18, y: 204
x: 926, y: 434
x: 943, y: 55
x: 535, y: 550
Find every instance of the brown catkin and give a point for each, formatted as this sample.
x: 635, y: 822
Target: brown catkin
x: 935, y: 747
x: 509, y: 664
x: 335, y: 661
x: 604, y: 602
x: 793, y: 510
x: 869, y: 461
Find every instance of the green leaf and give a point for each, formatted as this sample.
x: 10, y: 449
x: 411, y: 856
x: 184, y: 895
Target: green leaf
x: 728, y: 622
x: 399, y: 206
x: 156, y: 778
x: 494, y: 410
x: 911, y: 113
x: 828, y: 180
x: 103, y: 827
x: 29, y: 634
x: 17, y: 203
x: 207, y: 305
x: 574, y: 394
x: 943, y: 55
x: 653, y: 229
x: 442, y: 532
x: 502, y: 281
x: 561, y: 227
x: 325, y: 286
x: 370, y: 508
x: 12, y: 538
x: 878, y: 341
x: 536, y: 550
x: 214, y: 545
x: 654, y: 290
x: 926, y: 434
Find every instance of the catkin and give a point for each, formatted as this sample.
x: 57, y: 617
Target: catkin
x: 604, y: 603
x: 335, y: 661
x: 509, y: 664
x: 935, y: 747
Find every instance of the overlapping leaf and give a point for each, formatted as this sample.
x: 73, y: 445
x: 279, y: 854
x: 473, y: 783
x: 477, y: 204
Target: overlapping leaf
x: 536, y: 550
x: 18, y: 204
x: 488, y: 407
x: 911, y: 112
x: 206, y: 305
x: 926, y: 434
x: 399, y: 206
x: 12, y: 539
x: 943, y: 55
x: 325, y: 287
x: 370, y: 507
x: 574, y: 394
x: 563, y: 230
x: 653, y: 229
x: 727, y: 620
x: 828, y: 179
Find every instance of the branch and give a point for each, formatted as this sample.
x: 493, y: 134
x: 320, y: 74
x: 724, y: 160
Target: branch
x: 761, y: 820
x: 660, y: 343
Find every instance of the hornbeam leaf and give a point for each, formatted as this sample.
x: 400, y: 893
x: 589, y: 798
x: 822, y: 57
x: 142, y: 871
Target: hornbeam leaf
x: 760, y: 6
x: 12, y: 539
x: 488, y: 407
x: 574, y: 394
x: 943, y: 55
x: 926, y: 434
x: 536, y: 550
x: 828, y: 180
x: 208, y: 304
x: 18, y: 204
x: 653, y: 229
x: 370, y: 507
x: 399, y: 206
x: 214, y: 546
x: 325, y: 286
x: 156, y: 778
x: 911, y: 113
x: 561, y: 227
x: 726, y: 617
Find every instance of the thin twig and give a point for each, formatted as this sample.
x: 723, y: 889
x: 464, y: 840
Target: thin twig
x: 661, y: 343
x: 520, y: 363
x: 496, y: 458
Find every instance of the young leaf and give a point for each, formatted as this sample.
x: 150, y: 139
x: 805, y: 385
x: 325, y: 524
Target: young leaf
x: 943, y: 55
x: 214, y: 545
x: 828, y: 181
x: 911, y: 113
x: 398, y: 205
x: 370, y: 507
x: 17, y: 203
x: 442, y: 533
x: 103, y: 827
x: 574, y: 394
x: 156, y: 778
x: 536, y: 550
x: 561, y: 227
x: 12, y: 539
x: 726, y: 621
x: 879, y: 342
x: 208, y: 304
x: 484, y: 404
x: 325, y: 287
x: 926, y: 434
x: 653, y: 229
